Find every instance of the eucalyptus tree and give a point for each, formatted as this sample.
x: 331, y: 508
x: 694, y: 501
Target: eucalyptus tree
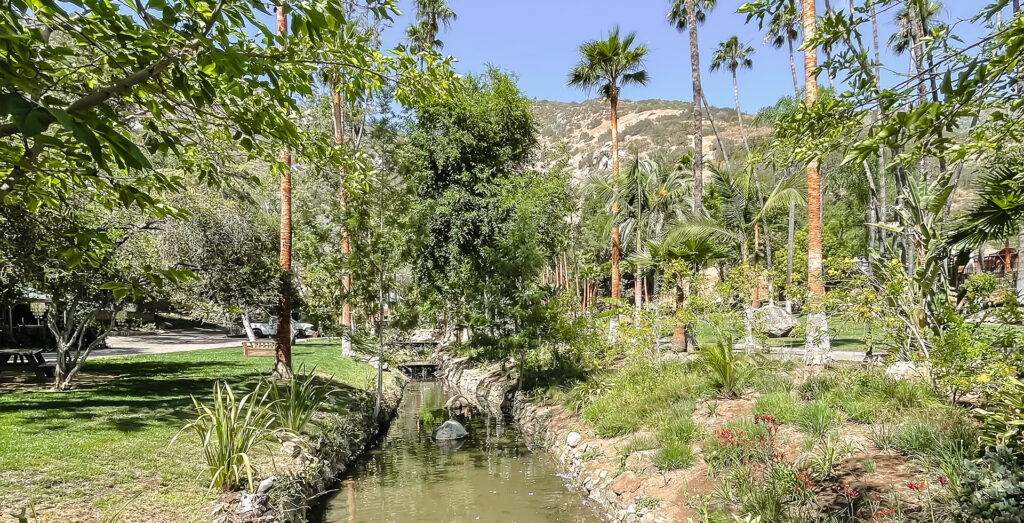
x: 686, y: 15
x: 608, y: 65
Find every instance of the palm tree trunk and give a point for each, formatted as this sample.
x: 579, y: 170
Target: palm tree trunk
x: 283, y: 346
x: 613, y: 323
x: 739, y: 114
x: 790, y: 248
x: 345, y: 320
x: 615, y: 204
x: 714, y: 128
x: 1020, y: 272
x: 818, y: 347
x: 698, y: 120
x: 679, y: 331
x: 882, y: 211
x: 792, y: 66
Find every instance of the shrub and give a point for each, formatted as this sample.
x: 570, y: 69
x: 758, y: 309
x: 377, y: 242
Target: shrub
x: 229, y: 430
x: 993, y: 489
x: 728, y: 370
x: 294, y: 401
x: 1002, y: 421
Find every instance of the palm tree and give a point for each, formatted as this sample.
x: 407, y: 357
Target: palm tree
x: 734, y: 55
x: 997, y: 212
x: 818, y: 346
x: 649, y: 196
x: 431, y: 17
x: 686, y: 15
x: 784, y: 29
x: 609, y: 65
x: 283, y: 345
x: 688, y: 255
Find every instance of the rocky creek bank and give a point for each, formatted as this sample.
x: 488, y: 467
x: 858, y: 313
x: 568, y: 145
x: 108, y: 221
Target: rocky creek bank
x: 309, y: 466
x: 623, y: 488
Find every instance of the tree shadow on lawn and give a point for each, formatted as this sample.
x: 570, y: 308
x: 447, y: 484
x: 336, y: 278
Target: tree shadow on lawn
x: 146, y: 393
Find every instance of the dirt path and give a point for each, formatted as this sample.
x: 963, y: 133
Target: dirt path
x: 169, y: 341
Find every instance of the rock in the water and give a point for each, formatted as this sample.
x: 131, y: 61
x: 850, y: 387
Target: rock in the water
x: 572, y: 439
x: 775, y: 321
x: 449, y: 430
x: 457, y: 402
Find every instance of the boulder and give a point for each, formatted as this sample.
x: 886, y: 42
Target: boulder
x: 626, y: 483
x: 774, y: 321
x: 450, y: 430
x: 572, y: 439
x: 906, y: 370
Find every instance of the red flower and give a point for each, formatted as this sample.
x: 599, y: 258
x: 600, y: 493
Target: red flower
x: 915, y: 486
x: 943, y: 481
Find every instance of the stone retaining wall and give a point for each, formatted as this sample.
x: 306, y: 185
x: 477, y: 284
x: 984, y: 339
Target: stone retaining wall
x: 592, y: 463
x: 317, y: 461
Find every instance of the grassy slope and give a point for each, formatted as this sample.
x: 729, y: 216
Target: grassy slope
x: 105, y: 444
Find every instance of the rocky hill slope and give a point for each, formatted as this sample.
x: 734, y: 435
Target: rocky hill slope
x: 646, y: 127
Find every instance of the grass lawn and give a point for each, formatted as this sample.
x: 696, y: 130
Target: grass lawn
x: 845, y: 336
x: 89, y: 453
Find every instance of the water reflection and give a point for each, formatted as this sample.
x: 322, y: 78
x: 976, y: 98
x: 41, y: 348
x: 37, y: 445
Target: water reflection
x: 489, y: 476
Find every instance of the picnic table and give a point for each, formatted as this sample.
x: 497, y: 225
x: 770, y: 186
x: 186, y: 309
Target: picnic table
x: 26, y: 359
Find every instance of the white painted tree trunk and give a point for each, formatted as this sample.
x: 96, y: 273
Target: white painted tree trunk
x: 818, y: 346
x: 247, y: 325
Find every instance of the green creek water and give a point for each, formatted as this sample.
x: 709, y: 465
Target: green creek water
x: 490, y: 476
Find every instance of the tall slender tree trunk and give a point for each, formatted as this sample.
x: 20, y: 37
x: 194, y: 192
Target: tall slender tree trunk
x: 283, y: 346
x: 883, y: 206
x: 679, y: 331
x: 346, y: 278
x: 613, y: 323
x: 739, y: 114
x: 714, y: 129
x: 818, y: 346
x: 792, y: 66
x: 698, y: 120
x: 790, y: 250
x: 1020, y: 272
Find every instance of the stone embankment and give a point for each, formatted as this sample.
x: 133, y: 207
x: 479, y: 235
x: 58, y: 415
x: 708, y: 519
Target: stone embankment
x: 309, y: 466
x: 622, y: 487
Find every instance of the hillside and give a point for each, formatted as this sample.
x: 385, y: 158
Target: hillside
x: 646, y: 127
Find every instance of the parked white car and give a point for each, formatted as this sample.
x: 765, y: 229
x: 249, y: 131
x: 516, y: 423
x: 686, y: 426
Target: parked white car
x: 269, y: 328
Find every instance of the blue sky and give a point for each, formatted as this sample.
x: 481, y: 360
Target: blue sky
x: 538, y: 40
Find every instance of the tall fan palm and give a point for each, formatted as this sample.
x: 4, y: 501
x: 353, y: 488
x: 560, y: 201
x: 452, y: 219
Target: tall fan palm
x: 818, y: 345
x: 784, y: 29
x: 734, y: 55
x: 686, y: 15
x: 431, y: 17
x: 609, y: 65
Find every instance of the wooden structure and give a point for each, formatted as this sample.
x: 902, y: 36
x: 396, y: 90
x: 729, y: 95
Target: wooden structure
x: 258, y: 348
x: 26, y: 359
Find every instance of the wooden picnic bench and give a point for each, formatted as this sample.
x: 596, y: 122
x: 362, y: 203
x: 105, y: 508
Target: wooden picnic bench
x: 26, y: 359
x: 258, y: 348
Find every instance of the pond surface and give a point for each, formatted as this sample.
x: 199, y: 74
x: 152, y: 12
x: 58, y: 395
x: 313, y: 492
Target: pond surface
x: 490, y: 476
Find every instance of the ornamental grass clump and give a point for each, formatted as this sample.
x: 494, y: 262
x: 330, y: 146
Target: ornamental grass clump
x: 294, y: 401
x: 229, y: 430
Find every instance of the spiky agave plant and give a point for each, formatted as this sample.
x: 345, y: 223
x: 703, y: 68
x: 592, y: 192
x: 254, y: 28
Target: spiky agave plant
x: 294, y: 401
x: 229, y: 429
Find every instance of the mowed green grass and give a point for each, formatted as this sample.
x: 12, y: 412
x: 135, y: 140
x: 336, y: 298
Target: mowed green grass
x: 845, y: 336
x: 103, y: 450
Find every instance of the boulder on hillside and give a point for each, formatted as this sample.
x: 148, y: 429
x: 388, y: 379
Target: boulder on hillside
x: 774, y: 321
x: 449, y: 430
